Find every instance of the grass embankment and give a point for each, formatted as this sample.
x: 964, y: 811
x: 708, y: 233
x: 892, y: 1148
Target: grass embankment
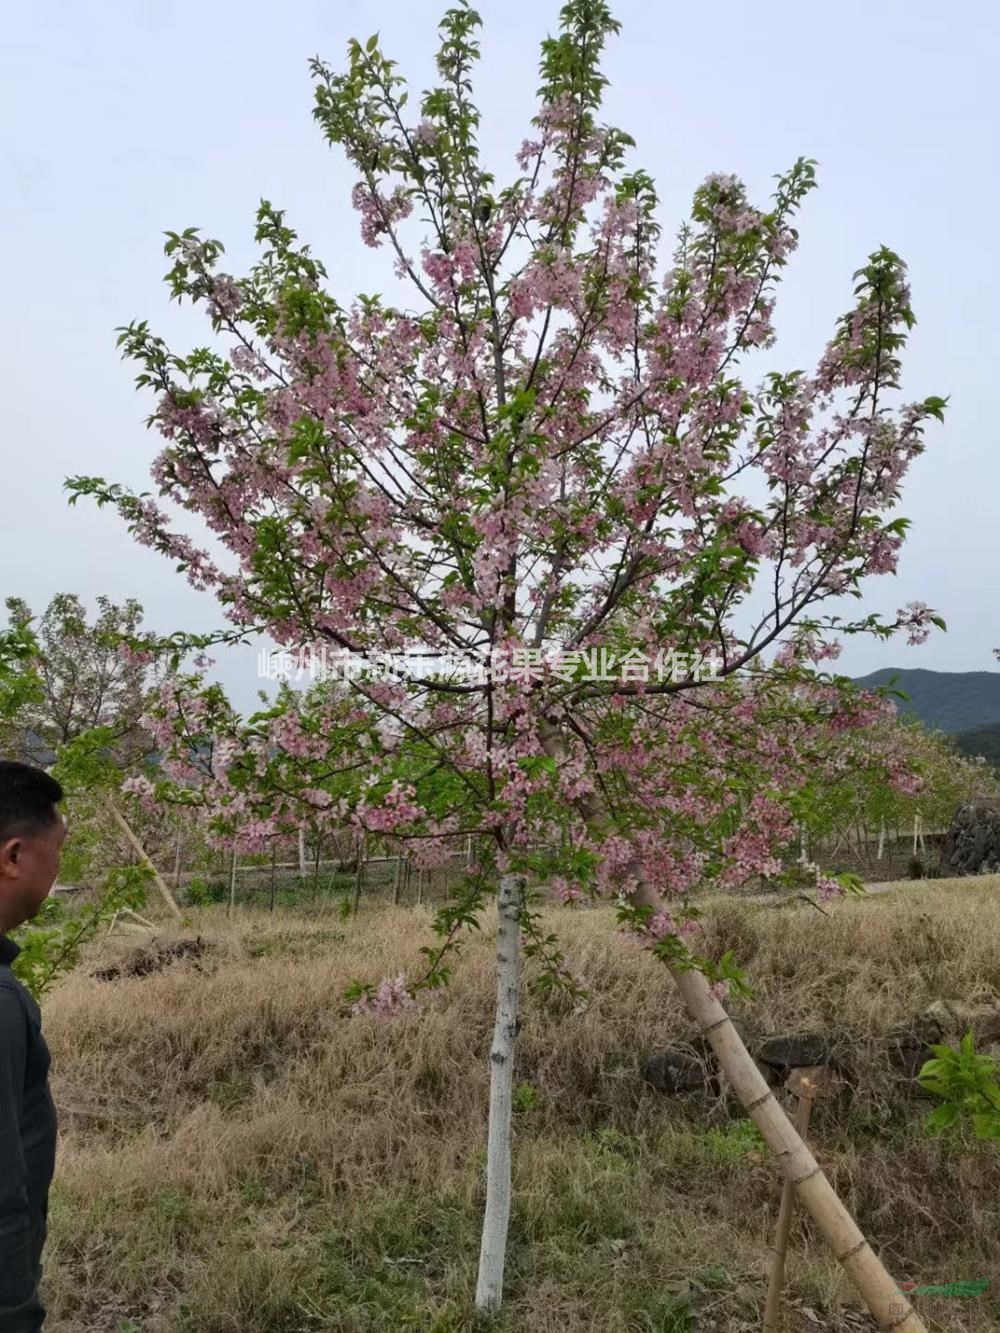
x: 241, y: 1156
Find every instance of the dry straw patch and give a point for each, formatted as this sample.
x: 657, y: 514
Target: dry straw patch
x: 243, y: 1156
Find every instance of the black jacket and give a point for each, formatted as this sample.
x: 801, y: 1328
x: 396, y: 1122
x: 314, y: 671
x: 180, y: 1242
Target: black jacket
x: 27, y: 1150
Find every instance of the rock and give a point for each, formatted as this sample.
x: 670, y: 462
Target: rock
x: 983, y: 1020
x: 796, y: 1050
x: 939, y: 1015
x: 908, y: 1044
x: 972, y: 846
x: 676, y: 1070
x: 956, y: 1017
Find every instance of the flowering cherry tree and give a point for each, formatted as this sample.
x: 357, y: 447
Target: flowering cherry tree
x: 551, y: 448
x: 86, y: 675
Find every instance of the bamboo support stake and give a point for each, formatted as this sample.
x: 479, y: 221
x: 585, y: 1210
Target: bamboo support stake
x: 890, y: 1308
x: 143, y: 856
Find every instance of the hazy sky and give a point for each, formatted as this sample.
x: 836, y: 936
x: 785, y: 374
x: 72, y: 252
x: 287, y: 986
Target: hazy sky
x: 125, y: 119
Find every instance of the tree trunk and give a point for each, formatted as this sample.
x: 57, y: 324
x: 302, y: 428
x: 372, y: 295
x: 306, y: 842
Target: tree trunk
x: 232, y: 884
x: 274, y: 859
x: 489, y: 1289
x: 397, y: 881
x: 302, y: 853
x: 359, y: 878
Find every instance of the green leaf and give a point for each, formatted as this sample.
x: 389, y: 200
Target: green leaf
x: 942, y: 1118
x: 986, y: 1125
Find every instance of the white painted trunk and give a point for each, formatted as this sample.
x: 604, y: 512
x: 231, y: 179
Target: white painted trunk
x: 881, y: 840
x: 302, y: 853
x: 493, y: 1253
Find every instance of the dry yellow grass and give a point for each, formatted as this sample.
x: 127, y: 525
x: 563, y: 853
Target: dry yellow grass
x: 242, y: 1156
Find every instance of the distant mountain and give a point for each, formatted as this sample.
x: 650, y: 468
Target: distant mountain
x: 955, y: 701
x: 983, y: 741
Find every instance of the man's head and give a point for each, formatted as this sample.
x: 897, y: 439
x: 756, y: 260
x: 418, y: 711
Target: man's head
x: 31, y: 835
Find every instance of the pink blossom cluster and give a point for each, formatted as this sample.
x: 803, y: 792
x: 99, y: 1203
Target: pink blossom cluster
x: 392, y: 998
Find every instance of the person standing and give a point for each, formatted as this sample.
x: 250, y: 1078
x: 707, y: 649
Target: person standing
x: 31, y: 835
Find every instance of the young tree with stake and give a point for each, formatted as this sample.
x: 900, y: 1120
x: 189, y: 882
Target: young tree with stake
x: 549, y: 454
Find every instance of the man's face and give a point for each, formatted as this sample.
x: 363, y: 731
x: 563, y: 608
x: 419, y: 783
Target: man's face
x: 29, y: 864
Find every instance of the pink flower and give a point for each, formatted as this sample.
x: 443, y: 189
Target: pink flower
x: 659, y: 925
x: 391, y: 999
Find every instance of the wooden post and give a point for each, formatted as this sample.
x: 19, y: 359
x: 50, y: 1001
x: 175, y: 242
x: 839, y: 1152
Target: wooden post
x: 805, y: 1085
x: 140, y: 851
x: 397, y: 881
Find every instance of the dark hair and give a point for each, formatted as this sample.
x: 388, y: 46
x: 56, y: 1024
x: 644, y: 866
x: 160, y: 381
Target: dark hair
x: 28, y: 798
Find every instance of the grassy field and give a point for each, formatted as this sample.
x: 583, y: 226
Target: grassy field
x: 239, y: 1155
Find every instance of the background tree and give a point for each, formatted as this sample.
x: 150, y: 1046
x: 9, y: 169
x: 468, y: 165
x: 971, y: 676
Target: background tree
x: 19, y: 681
x: 87, y: 676
x: 555, y: 451
x: 879, y: 781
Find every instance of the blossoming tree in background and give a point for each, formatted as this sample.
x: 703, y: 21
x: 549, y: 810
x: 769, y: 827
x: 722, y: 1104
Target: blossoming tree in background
x: 548, y: 448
